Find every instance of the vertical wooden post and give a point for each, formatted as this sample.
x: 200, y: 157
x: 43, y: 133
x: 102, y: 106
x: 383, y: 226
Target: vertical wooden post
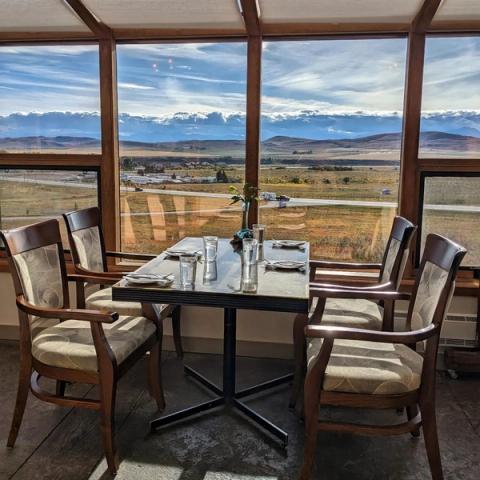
x: 409, y: 179
x: 254, y: 98
x: 110, y: 181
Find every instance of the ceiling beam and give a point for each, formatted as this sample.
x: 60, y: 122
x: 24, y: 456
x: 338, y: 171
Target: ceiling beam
x: 89, y: 19
x: 45, y: 37
x: 177, y: 33
x: 423, y: 19
x: 251, y: 16
x: 320, y: 29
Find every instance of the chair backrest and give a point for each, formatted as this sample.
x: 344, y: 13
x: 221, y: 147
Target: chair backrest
x: 397, y: 251
x: 435, y: 282
x: 37, y: 265
x: 86, y: 239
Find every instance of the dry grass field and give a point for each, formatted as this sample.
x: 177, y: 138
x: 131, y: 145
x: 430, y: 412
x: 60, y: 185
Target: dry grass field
x: 153, y: 221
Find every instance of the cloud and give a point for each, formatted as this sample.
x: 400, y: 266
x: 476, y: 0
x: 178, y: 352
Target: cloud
x: 134, y: 86
x: 217, y: 125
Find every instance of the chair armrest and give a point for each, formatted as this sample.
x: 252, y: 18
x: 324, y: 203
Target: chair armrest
x: 357, y: 293
x: 344, y: 265
x: 408, y: 338
x: 95, y: 279
x: 131, y: 256
x: 98, y: 316
x: 370, y: 288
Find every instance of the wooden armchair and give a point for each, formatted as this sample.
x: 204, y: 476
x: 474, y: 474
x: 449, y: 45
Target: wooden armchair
x: 370, y: 369
x: 72, y: 345
x: 90, y: 258
x: 361, y: 311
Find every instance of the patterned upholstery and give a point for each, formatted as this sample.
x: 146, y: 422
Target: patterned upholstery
x: 70, y: 344
x: 353, y: 312
x: 89, y: 247
x: 431, y: 284
x: 41, y: 278
x: 369, y: 367
x: 102, y: 300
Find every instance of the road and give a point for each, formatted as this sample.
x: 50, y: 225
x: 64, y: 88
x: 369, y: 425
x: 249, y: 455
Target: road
x: 294, y: 202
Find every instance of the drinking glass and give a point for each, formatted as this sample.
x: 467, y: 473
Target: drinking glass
x: 249, y: 256
x: 188, y: 270
x: 259, y: 232
x: 209, y: 272
x: 210, y: 245
x: 249, y: 280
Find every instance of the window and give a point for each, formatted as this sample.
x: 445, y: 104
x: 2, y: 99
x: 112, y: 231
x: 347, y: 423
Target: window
x: 451, y: 98
x: 182, y: 132
x: 451, y: 207
x: 49, y: 99
x: 331, y: 123
x: 35, y: 195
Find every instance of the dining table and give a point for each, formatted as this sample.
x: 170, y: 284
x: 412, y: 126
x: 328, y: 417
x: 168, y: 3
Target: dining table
x: 221, y: 284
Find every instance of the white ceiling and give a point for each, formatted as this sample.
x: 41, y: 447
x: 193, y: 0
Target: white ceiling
x: 341, y: 11
x: 458, y: 10
x: 167, y: 13
x: 38, y: 16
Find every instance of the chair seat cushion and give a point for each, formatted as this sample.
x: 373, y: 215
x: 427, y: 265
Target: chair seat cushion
x: 353, y: 312
x: 369, y: 367
x: 102, y: 300
x: 69, y: 344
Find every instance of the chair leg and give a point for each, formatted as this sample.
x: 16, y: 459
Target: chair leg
x: 412, y: 411
x: 155, y: 375
x: 108, y: 390
x: 430, y: 436
x: 300, y: 357
x: 22, y: 395
x: 177, y: 335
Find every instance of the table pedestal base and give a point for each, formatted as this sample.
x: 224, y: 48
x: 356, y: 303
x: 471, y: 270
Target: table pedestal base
x: 227, y: 396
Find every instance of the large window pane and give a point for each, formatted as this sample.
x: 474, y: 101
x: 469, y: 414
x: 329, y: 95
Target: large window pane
x: 451, y: 207
x: 451, y: 98
x: 331, y: 128
x: 49, y: 99
x: 31, y: 196
x: 182, y: 130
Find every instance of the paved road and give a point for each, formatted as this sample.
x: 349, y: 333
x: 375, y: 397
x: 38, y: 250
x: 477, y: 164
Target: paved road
x: 294, y: 202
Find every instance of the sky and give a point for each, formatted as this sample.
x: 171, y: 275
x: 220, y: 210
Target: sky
x: 326, y: 89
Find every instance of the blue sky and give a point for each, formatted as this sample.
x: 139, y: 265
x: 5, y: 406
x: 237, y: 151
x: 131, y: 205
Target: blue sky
x: 194, y: 85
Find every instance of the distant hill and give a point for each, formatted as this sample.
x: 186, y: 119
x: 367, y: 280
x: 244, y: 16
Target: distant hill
x: 294, y: 147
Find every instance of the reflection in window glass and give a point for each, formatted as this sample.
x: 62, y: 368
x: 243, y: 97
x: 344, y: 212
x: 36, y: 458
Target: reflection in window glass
x: 49, y: 99
x: 451, y: 98
x: 451, y: 207
x: 331, y: 143
x: 182, y: 130
x: 31, y: 196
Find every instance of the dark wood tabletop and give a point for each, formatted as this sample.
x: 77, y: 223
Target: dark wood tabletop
x: 277, y: 290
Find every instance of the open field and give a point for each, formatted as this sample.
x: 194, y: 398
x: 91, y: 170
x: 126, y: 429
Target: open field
x: 153, y: 221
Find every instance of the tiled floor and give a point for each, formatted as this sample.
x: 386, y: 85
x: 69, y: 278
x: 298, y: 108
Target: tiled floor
x: 59, y: 443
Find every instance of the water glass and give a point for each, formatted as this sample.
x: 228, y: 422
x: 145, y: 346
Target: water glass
x: 259, y: 232
x: 210, y: 245
x: 209, y: 272
x: 249, y: 280
x: 188, y: 270
x: 250, y: 246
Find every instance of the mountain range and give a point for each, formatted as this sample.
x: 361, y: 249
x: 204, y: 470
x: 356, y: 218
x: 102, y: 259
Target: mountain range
x: 219, y: 126
x: 304, y: 148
